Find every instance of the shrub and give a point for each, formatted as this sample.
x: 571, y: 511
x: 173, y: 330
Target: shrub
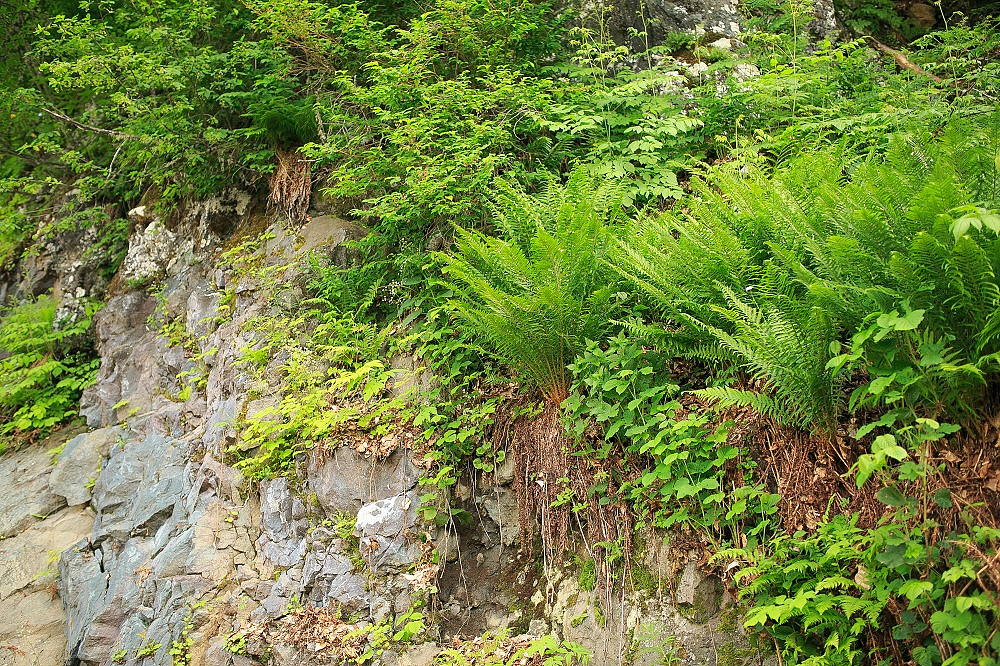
x: 774, y: 274
x: 47, y: 366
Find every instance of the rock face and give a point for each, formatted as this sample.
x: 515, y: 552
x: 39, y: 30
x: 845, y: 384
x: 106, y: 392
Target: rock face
x: 26, y: 497
x: 179, y: 539
x: 67, y: 261
x: 37, y: 526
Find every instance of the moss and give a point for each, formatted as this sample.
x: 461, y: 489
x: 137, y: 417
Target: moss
x: 523, y: 612
x: 631, y: 652
x: 588, y: 576
x: 643, y: 579
x: 729, y: 621
x: 728, y: 654
x: 578, y: 620
x: 602, y: 621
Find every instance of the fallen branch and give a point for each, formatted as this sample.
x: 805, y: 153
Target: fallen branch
x: 903, y: 61
x: 89, y: 128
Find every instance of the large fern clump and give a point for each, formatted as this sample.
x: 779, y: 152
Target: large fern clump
x: 541, y: 288
x: 779, y: 273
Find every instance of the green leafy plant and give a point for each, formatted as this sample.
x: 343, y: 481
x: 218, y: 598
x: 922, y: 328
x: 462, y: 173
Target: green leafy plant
x: 627, y: 392
x: 46, y: 368
x: 540, y: 292
x: 770, y: 273
x: 826, y: 597
x: 148, y: 650
x: 498, y: 649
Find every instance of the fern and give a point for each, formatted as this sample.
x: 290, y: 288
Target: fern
x: 540, y: 291
x: 773, y: 273
x: 786, y: 346
x: 46, y: 365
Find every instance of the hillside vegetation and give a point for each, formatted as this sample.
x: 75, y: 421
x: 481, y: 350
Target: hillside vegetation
x: 747, y: 292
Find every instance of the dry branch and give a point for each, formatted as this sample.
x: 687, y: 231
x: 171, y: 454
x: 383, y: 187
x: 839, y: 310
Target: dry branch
x: 903, y: 61
x: 89, y: 128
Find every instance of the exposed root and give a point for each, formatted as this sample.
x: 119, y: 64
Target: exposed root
x: 555, y: 487
x: 291, y: 185
x: 541, y: 474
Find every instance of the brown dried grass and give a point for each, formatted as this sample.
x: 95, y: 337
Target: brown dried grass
x: 315, y: 630
x: 812, y: 473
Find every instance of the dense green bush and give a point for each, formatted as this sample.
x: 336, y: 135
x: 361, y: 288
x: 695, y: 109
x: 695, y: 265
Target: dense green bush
x: 687, y: 479
x: 846, y: 595
x: 46, y: 366
x: 775, y: 274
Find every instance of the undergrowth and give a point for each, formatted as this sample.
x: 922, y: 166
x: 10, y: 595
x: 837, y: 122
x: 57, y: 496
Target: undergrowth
x: 47, y: 364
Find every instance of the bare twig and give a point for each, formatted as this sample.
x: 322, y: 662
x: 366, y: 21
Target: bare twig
x: 903, y: 61
x: 89, y: 128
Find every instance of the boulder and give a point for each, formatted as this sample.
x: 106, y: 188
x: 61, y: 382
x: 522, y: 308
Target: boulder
x: 344, y: 479
x: 385, y: 530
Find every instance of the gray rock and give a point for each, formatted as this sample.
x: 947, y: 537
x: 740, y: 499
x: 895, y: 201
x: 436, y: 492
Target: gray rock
x: 219, y: 479
x: 263, y: 409
x: 329, y: 575
x: 79, y: 464
x: 282, y: 541
x: 501, y: 506
x: 344, y: 480
x: 138, y: 487
x: 348, y: 591
x: 82, y: 584
x: 133, y: 368
x: 419, y: 655
x: 220, y: 432
x: 699, y: 592
x: 824, y: 24
x: 24, y: 490
x: 745, y: 71
x: 201, y: 311
x: 173, y: 559
x: 659, y: 18
x: 385, y: 529
x: 505, y: 471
